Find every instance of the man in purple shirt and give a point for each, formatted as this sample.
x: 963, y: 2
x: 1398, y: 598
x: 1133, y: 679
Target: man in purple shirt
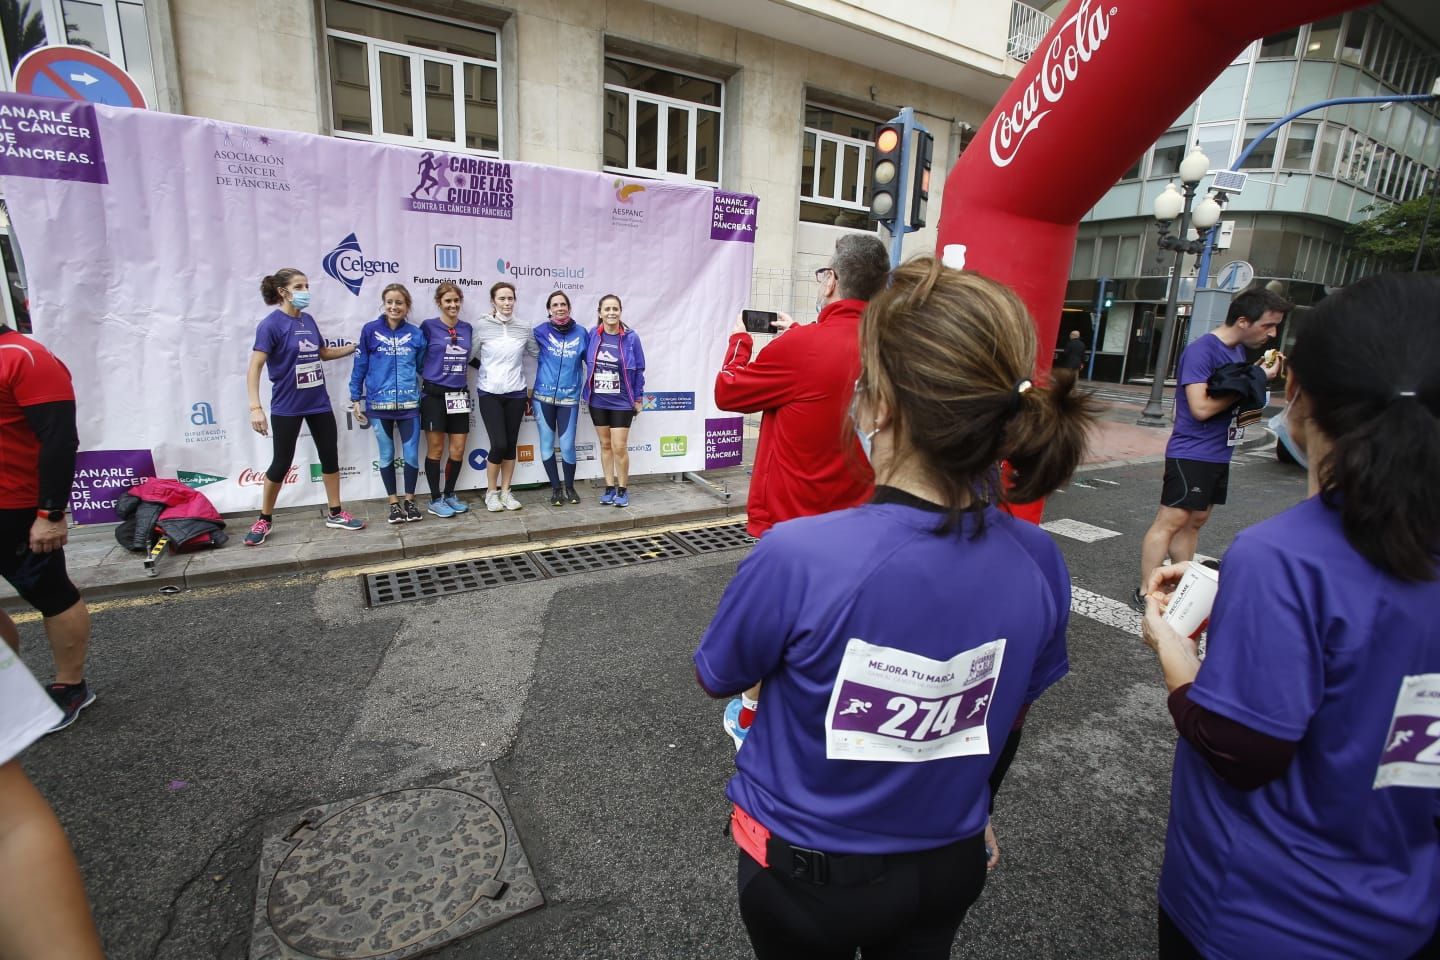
x: 1197, y: 458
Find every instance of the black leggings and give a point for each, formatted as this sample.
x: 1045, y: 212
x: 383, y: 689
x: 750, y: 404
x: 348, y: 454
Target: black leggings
x: 284, y: 431
x: 502, y: 416
x: 912, y: 911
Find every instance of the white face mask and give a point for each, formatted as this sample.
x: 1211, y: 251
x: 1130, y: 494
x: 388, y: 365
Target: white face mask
x: 866, y: 439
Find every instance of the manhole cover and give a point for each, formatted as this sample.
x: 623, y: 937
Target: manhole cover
x: 392, y: 875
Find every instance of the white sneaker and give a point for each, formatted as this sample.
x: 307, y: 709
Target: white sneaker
x: 508, y: 501
x: 492, y: 502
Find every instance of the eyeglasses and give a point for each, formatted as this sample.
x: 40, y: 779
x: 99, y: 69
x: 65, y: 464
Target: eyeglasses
x: 822, y: 272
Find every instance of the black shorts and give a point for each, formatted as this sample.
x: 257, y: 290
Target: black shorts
x: 434, y: 419
x: 39, y: 578
x: 612, y: 418
x: 1194, y: 484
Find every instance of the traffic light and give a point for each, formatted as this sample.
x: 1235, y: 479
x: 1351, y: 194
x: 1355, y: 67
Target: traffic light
x: 1109, y: 300
x: 920, y: 192
x: 885, y: 182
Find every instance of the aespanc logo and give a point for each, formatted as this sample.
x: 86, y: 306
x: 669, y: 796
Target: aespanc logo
x: 624, y: 191
x: 348, y: 264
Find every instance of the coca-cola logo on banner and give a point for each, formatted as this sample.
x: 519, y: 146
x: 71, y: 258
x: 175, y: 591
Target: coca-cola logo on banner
x: 256, y: 478
x: 1075, y: 43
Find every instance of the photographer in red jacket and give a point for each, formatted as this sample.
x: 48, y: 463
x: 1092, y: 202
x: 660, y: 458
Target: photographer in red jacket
x: 803, y: 381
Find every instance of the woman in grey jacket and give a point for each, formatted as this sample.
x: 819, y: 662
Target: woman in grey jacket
x: 501, y: 345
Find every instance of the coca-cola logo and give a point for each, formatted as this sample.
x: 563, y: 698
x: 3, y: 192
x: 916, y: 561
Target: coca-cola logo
x: 1073, y: 44
x: 256, y: 478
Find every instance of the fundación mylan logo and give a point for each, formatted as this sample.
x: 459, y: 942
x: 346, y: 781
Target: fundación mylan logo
x: 349, y: 265
x: 447, y: 257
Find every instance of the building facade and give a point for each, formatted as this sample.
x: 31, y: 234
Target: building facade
x: 778, y: 99
x: 1306, y: 182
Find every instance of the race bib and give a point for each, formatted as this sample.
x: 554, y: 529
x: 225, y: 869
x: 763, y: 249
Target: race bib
x: 1235, y: 434
x: 309, y: 375
x: 900, y: 707
x: 1411, y: 757
x: 457, y: 401
x: 607, y: 381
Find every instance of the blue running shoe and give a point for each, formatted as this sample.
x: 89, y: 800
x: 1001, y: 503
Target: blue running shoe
x: 71, y: 698
x: 455, y: 504
x: 608, y: 497
x: 622, y: 497
x: 440, y: 508
x: 732, y: 722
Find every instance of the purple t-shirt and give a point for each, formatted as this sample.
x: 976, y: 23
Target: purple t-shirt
x: 447, y: 351
x: 608, y: 390
x: 1311, y: 643
x: 1208, y: 440
x: 895, y: 661
x: 292, y: 356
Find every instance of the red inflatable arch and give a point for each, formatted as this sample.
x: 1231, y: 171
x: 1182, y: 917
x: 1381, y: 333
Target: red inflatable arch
x: 1109, y: 78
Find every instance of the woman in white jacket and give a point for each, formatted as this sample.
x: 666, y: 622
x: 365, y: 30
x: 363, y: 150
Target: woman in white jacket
x: 501, y: 344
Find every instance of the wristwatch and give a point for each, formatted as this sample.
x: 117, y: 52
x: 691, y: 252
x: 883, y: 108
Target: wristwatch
x: 54, y: 516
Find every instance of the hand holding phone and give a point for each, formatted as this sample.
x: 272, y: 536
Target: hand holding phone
x: 759, y: 321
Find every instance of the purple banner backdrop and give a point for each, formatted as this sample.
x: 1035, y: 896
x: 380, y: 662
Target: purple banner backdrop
x: 102, y: 477
x: 724, y: 442
x: 172, y: 248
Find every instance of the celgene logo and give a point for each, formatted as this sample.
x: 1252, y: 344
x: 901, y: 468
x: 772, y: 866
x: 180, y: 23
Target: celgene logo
x: 532, y: 270
x: 624, y: 191
x: 348, y: 265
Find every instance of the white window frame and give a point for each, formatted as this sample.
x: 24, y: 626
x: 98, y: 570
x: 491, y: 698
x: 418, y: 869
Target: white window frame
x: 665, y: 105
x: 841, y: 142
x: 53, y: 15
x: 417, y: 56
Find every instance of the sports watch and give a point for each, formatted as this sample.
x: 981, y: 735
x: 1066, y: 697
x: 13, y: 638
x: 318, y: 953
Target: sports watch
x: 54, y: 516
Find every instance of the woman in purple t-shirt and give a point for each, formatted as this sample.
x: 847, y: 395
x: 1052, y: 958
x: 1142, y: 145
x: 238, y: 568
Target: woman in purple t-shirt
x: 1303, y: 816
x: 289, y: 346
x: 614, y: 383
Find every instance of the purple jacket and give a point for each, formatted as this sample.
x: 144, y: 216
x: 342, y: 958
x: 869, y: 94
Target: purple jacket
x: 632, y: 364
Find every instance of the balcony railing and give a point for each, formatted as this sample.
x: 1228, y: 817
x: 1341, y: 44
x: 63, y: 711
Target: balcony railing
x: 1028, y: 27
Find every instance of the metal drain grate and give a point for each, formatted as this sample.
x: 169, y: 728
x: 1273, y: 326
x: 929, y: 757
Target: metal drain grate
x: 711, y: 539
x: 585, y: 557
x: 399, y: 586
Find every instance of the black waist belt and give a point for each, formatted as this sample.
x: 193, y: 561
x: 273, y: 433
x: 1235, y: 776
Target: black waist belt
x: 818, y: 867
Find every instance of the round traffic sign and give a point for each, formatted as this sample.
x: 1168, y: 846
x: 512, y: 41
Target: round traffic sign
x: 1235, y: 276
x: 76, y: 73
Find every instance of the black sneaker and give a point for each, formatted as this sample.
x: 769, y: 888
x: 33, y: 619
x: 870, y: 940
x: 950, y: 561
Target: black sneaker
x: 556, y: 500
x: 412, y: 512
x: 1137, y: 601
x: 397, y: 514
x: 71, y: 698
x: 571, y: 495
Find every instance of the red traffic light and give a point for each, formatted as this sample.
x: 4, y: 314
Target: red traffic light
x: 887, y: 140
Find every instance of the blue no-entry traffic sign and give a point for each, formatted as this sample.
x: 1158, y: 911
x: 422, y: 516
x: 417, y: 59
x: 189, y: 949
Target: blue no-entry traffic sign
x: 76, y: 73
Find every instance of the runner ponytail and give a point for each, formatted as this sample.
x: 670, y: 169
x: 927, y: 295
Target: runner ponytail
x: 271, y: 286
x: 1045, y: 440
x: 1367, y: 363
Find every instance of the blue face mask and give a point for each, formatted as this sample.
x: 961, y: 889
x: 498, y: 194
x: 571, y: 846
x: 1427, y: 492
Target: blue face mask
x: 300, y: 299
x: 866, y: 439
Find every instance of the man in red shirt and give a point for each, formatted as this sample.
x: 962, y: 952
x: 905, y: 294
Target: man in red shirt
x: 803, y: 382
x: 37, y: 466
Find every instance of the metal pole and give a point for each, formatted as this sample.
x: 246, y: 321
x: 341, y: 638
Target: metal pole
x: 1202, y: 274
x: 1154, y: 413
x: 1429, y: 210
x: 1095, y: 325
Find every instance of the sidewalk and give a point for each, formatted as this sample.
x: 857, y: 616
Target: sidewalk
x: 301, y: 542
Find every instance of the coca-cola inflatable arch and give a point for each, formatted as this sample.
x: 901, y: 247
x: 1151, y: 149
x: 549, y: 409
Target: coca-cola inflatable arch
x: 1108, y: 79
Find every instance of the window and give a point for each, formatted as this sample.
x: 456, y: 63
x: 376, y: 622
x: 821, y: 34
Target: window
x: 1324, y: 34
x: 1353, y: 44
x: 114, y: 28
x: 660, y: 123
x: 1217, y: 140
x: 1299, y: 146
x: 835, y: 168
x: 1169, y: 151
x: 1263, y: 156
x: 400, y: 78
x: 1329, y: 147
x: 1280, y: 44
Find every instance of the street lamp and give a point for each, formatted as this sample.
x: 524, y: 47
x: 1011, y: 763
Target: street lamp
x: 1169, y: 205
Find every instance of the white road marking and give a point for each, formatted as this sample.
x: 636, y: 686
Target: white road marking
x: 1112, y: 613
x: 1112, y: 483
x: 1078, y: 530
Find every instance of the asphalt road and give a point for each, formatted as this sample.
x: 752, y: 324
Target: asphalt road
x: 223, y: 713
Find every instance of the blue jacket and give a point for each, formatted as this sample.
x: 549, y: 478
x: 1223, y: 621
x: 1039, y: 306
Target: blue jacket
x: 561, y: 368
x: 387, y: 367
x: 632, y: 364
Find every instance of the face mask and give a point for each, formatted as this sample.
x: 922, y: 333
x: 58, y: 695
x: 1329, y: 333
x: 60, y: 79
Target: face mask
x: 300, y: 299
x: 866, y: 439
x: 1294, y: 448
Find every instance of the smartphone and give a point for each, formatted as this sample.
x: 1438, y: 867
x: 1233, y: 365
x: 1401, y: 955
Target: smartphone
x: 760, y: 321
